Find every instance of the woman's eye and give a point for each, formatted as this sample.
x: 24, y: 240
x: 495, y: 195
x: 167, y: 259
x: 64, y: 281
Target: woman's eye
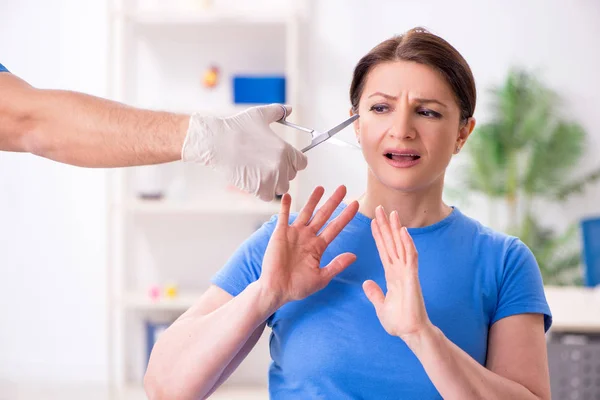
x: 379, y: 108
x: 429, y: 113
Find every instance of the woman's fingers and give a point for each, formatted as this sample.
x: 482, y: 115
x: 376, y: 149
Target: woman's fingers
x: 339, y: 223
x: 410, y: 248
x: 309, y: 208
x: 337, y: 265
x: 323, y: 214
x: 396, y: 227
x: 374, y: 294
x: 284, y: 210
x: 386, y: 232
x: 383, y: 254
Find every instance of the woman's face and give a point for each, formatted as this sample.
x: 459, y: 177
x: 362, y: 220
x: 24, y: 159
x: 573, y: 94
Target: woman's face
x: 409, y: 125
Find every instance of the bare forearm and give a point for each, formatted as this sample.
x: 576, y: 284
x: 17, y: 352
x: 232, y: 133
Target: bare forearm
x: 191, y: 356
x: 84, y: 130
x: 456, y: 375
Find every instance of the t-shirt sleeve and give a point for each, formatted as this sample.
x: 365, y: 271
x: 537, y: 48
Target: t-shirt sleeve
x: 522, y: 289
x: 3, y: 68
x: 245, y: 265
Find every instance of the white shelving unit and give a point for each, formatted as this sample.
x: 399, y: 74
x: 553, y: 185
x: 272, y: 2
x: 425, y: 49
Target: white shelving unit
x: 158, y: 54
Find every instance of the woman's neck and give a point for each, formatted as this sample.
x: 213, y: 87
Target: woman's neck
x: 416, y: 209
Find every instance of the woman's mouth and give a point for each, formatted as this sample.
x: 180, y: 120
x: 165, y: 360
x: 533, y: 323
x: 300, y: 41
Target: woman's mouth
x: 402, y: 158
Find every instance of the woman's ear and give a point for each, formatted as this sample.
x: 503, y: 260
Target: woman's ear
x: 463, y: 134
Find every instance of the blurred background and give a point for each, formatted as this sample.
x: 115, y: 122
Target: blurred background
x: 96, y: 263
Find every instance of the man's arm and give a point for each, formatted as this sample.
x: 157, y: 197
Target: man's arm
x: 84, y: 130
x: 88, y: 131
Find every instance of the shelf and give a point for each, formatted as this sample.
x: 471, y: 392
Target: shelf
x: 170, y: 17
x: 142, y: 301
x: 243, y: 206
x: 574, y: 309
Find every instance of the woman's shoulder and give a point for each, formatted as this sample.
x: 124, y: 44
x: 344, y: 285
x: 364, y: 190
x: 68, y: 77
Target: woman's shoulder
x: 490, y: 236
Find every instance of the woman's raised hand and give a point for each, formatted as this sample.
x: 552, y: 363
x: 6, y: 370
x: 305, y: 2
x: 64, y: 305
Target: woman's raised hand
x: 291, y: 264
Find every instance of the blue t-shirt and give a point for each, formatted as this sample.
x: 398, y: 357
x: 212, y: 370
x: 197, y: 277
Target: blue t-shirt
x: 332, y: 346
x: 3, y: 68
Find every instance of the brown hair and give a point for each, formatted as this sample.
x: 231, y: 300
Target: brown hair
x: 423, y: 47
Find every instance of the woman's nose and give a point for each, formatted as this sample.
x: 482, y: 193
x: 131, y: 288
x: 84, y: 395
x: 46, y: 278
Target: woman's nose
x: 402, y: 125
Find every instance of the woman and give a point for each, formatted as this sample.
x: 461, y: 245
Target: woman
x: 463, y: 319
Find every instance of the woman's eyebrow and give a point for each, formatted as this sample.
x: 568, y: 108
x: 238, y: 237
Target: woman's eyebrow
x: 423, y: 101
x: 387, y: 96
x: 418, y: 100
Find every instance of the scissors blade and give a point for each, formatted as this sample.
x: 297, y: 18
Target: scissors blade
x: 341, y: 126
x: 316, y: 141
x: 320, y: 138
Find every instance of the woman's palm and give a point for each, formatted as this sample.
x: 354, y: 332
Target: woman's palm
x: 291, y: 265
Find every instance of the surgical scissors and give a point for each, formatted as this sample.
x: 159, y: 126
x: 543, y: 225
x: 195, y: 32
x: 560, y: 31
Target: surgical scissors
x: 319, y: 137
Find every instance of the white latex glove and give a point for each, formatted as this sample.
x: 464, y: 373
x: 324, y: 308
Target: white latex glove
x: 254, y: 157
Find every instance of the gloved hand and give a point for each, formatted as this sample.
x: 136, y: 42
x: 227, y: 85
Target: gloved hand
x: 254, y: 157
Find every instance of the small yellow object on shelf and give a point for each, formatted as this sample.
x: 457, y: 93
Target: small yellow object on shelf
x: 171, y: 291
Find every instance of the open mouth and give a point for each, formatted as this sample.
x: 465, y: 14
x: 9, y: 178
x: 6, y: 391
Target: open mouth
x: 402, y: 157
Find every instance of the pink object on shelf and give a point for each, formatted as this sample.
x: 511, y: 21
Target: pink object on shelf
x: 154, y: 292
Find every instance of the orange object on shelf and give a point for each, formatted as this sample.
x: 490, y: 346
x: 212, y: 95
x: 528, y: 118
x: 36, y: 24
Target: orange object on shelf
x: 211, y: 77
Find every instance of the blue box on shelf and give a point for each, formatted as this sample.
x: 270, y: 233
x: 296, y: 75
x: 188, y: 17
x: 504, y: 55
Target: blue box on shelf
x: 590, y: 232
x: 258, y: 89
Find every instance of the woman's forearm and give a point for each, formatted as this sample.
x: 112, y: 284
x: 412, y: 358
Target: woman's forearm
x: 456, y: 375
x: 192, y: 354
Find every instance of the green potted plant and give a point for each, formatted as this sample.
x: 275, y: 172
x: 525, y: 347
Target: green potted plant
x: 527, y: 153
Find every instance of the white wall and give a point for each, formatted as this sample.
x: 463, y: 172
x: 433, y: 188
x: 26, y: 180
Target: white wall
x: 52, y: 217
